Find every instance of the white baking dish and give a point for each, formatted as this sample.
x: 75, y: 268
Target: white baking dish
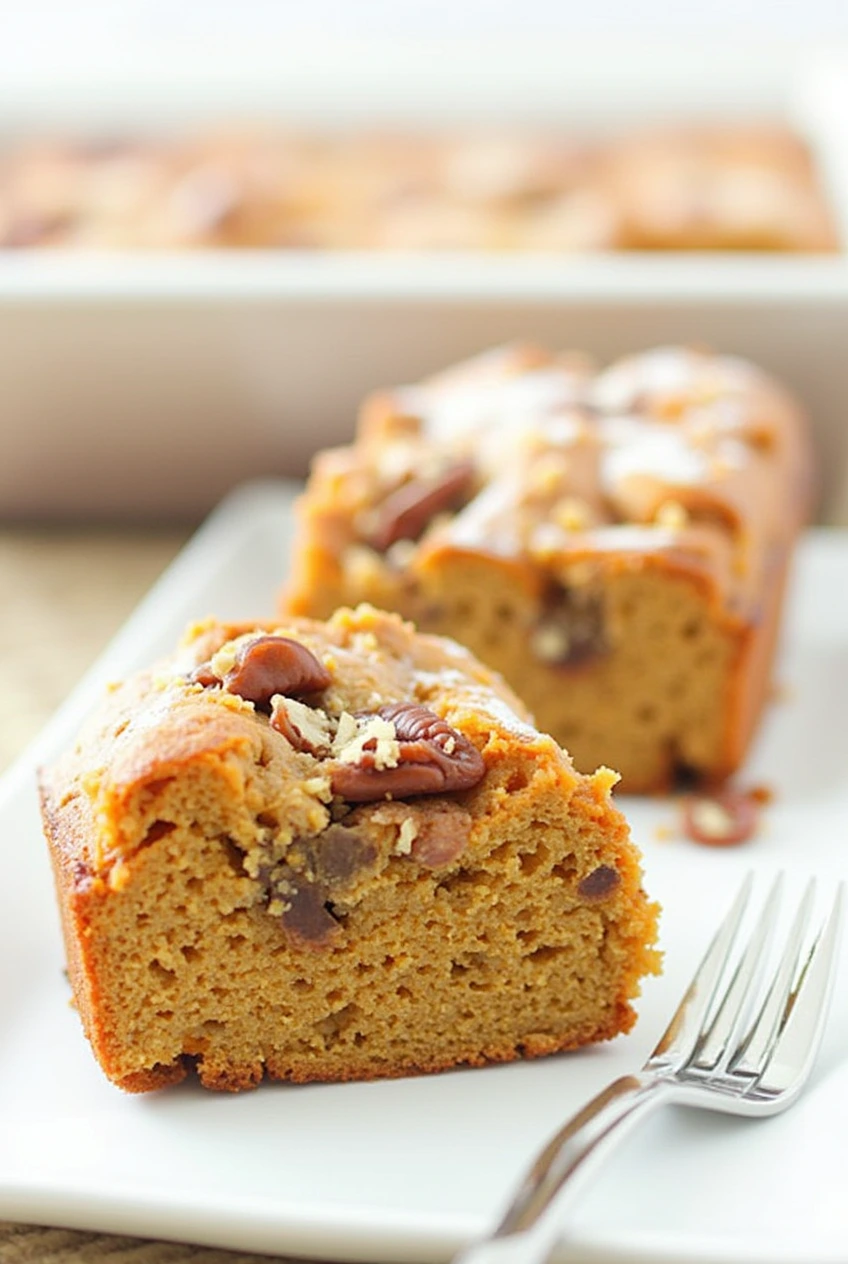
x: 146, y: 385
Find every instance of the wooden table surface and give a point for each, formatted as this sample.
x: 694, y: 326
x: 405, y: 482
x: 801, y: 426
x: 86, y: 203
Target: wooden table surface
x: 62, y: 596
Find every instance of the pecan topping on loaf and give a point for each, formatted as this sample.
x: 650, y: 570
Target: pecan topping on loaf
x: 401, y: 750
x: 407, y: 511
x: 431, y: 758
x: 265, y: 666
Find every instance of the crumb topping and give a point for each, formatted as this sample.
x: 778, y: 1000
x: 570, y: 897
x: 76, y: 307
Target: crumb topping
x: 374, y: 734
x: 672, y: 515
x: 406, y: 837
x: 224, y: 659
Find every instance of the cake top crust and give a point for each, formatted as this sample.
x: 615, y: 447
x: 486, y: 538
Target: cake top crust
x: 372, y: 713
x: 533, y: 456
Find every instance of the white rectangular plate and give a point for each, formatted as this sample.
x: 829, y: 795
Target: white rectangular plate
x: 411, y: 1169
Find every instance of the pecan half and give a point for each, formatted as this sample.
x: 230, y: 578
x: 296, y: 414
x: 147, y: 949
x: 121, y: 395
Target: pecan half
x: 723, y: 819
x: 266, y: 666
x: 433, y: 758
x: 405, y: 512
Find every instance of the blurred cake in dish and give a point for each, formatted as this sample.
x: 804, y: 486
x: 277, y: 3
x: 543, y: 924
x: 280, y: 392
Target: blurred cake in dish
x: 709, y: 188
x: 615, y: 542
x: 331, y: 852
x: 716, y: 188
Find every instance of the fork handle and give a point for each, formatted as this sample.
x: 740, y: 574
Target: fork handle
x: 531, y: 1225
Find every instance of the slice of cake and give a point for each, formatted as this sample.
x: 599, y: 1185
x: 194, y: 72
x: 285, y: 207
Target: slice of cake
x: 614, y: 543
x: 336, y: 851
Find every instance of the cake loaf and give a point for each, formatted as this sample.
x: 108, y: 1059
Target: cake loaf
x: 336, y: 851
x: 614, y: 543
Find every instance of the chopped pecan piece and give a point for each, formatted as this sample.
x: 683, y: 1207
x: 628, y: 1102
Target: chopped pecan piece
x: 338, y: 854
x: 599, y: 883
x: 204, y: 675
x: 571, y: 629
x: 723, y: 819
x: 299, y: 901
x: 433, y: 758
x: 305, y: 916
x: 406, y: 512
x: 441, y: 837
x: 266, y: 666
x: 304, y: 727
x: 300, y: 889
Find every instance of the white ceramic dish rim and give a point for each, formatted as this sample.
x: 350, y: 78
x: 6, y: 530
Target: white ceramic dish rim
x: 90, y: 278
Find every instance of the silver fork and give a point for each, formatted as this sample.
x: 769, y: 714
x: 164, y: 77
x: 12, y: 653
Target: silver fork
x: 722, y: 1051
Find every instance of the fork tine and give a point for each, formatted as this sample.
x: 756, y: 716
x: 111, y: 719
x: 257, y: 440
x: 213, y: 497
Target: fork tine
x: 750, y: 1057
x: 804, y: 1016
x: 718, y: 1040
x: 682, y: 1033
